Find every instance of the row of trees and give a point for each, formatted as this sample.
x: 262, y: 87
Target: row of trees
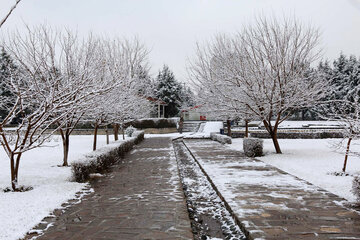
x: 262, y: 72
x: 52, y: 80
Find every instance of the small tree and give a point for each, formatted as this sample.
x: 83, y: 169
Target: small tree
x: 41, y: 100
x: 80, y: 66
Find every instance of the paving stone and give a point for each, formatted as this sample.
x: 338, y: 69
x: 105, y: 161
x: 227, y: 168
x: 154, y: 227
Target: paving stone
x: 298, y: 210
x: 141, y: 198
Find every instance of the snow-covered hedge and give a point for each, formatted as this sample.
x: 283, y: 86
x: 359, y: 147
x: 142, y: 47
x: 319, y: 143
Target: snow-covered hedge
x: 356, y: 187
x: 103, y: 158
x: 154, y: 123
x: 299, y: 135
x: 253, y: 147
x: 220, y: 138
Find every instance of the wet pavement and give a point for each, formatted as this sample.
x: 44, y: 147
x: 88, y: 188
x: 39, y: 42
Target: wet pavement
x: 141, y: 198
x: 271, y: 204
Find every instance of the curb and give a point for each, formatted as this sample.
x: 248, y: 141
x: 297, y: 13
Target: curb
x: 227, y: 206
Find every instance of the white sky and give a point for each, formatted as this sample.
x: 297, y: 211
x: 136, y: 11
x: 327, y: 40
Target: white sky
x: 170, y: 28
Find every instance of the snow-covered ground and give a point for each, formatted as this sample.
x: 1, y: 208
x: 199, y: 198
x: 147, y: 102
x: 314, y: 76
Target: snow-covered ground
x: 19, y: 212
x: 312, y: 160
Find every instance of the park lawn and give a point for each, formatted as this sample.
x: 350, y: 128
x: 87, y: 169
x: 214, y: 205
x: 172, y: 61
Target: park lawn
x: 52, y: 185
x: 313, y: 160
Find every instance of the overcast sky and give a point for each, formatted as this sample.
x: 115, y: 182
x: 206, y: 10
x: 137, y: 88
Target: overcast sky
x: 171, y: 28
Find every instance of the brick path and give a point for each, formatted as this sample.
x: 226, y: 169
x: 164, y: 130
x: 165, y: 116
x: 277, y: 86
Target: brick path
x: 270, y: 203
x: 140, y: 199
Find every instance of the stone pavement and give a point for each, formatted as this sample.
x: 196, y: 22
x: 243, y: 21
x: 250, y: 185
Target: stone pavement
x: 271, y: 204
x: 141, y: 198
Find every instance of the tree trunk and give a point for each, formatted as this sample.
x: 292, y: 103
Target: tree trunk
x: 246, y: 128
x: 273, y: 135
x: 123, y: 132
x: 228, y: 123
x: 346, y: 154
x: 95, y: 137
x: 13, y: 174
x: 107, y: 135
x: 14, y: 167
x: 66, y: 140
x: 116, y: 132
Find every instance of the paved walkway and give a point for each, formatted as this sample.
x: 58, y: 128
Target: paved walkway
x: 270, y: 203
x: 140, y: 199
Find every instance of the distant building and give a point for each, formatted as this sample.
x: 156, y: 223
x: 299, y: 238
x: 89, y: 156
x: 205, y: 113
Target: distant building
x: 194, y: 114
x: 159, y: 109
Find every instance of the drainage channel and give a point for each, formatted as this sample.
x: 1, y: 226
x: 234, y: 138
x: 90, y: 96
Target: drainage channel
x: 209, y: 217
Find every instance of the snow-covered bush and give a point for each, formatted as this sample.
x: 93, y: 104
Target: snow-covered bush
x: 129, y: 131
x: 356, y: 187
x: 96, y: 163
x: 253, y: 147
x: 220, y: 138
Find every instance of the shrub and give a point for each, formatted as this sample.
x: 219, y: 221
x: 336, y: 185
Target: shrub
x: 220, y: 138
x: 356, y: 187
x: 101, y: 161
x: 129, y: 131
x: 253, y: 147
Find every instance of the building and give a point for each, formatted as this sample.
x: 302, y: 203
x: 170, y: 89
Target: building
x: 159, y: 109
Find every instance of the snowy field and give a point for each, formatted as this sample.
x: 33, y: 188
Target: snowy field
x: 19, y: 212
x: 312, y: 160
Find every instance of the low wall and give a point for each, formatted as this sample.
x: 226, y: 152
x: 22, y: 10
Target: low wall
x: 292, y: 135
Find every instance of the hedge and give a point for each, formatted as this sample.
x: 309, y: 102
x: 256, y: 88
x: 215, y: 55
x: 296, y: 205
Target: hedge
x: 298, y: 135
x: 154, y: 123
x: 103, y: 158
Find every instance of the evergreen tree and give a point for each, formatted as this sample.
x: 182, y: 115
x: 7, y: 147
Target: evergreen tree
x: 6, y: 68
x: 169, y: 90
x: 343, y: 77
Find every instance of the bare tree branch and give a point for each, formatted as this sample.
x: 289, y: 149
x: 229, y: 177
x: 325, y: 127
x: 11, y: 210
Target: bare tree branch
x: 9, y: 13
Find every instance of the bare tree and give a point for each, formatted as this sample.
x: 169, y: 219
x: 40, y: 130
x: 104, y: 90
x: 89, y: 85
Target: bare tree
x: 346, y: 111
x: 81, y: 66
x: 9, y: 13
x: 264, y: 67
x: 124, y: 59
x: 41, y: 98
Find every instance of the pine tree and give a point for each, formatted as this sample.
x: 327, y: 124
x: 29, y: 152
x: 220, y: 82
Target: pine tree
x: 169, y: 90
x: 343, y: 77
x: 6, y: 67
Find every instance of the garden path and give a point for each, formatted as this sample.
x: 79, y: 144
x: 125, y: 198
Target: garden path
x: 141, y: 198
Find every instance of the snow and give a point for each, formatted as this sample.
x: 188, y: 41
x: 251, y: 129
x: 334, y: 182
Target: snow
x: 205, y: 130
x: 20, y: 212
x: 213, y: 127
x: 312, y: 160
